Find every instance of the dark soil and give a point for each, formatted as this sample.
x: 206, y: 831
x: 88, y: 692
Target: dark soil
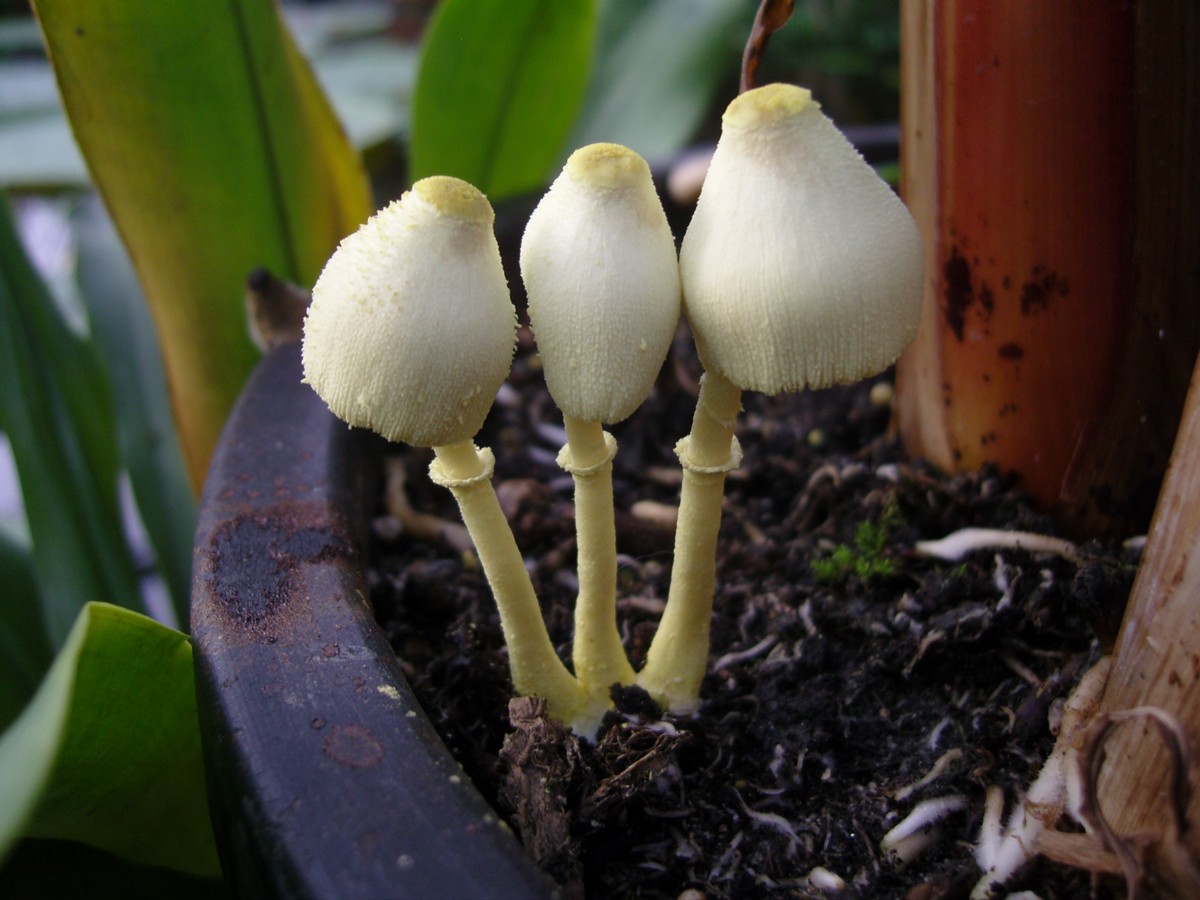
x: 844, y: 666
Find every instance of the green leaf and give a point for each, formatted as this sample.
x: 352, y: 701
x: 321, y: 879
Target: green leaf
x: 656, y: 70
x: 108, y: 752
x: 499, y: 85
x: 55, y: 409
x: 216, y: 153
x: 124, y: 334
x: 24, y: 652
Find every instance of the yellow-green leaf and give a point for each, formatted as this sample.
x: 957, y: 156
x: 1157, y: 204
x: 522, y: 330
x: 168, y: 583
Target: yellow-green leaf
x: 217, y: 153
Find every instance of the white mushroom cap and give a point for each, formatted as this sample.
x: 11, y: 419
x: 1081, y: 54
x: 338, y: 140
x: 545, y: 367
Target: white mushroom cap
x: 801, y: 267
x: 411, y: 329
x: 600, y: 268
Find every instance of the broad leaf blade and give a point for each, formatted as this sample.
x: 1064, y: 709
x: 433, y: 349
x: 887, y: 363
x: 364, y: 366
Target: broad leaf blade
x: 108, y: 752
x: 216, y: 153
x: 56, y: 411
x: 499, y: 85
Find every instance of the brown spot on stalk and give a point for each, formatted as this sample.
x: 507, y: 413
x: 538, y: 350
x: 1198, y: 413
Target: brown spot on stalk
x: 960, y: 294
x: 1011, y: 351
x: 1037, y: 292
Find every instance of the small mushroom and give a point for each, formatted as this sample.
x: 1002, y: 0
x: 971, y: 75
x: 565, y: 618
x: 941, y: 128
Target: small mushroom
x: 800, y: 268
x: 411, y: 330
x: 411, y: 333
x: 600, y: 268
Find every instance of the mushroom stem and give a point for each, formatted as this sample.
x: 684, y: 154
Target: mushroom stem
x: 535, y: 667
x: 678, y: 655
x: 599, y: 657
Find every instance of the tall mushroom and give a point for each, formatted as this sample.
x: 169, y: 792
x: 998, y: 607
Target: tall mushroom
x: 600, y: 268
x: 410, y: 333
x: 800, y: 268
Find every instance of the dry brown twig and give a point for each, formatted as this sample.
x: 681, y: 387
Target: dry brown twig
x: 1154, y: 865
x: 771, y: 16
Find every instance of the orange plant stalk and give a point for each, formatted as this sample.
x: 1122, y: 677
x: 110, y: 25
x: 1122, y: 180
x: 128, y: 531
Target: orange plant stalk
x: 1018, y: 165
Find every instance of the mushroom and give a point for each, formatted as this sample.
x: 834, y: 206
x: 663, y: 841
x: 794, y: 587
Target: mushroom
x: 411, y: 333
x: 599, y: 265
x: 800, y: 268
x: 411, y: 330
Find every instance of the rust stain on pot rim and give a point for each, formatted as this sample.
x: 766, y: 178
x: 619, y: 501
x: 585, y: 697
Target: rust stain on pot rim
x: 353, y: 746
x: 254, y: 560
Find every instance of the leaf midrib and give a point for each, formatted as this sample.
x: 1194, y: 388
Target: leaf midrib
x: 257, y: 91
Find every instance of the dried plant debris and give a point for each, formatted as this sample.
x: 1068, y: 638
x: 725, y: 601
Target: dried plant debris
x: 1003, y: 849
x: 544, y: 764
x: 1158, y: 864
x: 857, y: 688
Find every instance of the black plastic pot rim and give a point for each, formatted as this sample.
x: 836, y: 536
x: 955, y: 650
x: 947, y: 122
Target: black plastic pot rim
x: 326, y: 779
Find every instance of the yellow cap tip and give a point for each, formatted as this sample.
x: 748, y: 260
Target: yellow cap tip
x: 768, y: 105
x: 456, y: 198
x: 607, y: 166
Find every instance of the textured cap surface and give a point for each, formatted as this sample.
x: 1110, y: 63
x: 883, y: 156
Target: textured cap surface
x: 801, y: 267
x: 411, y: 330
x: 600, y: 269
